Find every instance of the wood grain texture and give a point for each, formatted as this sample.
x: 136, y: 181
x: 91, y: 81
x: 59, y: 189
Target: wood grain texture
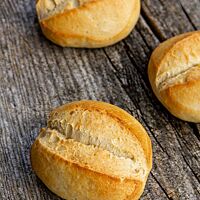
x: 36, y: 75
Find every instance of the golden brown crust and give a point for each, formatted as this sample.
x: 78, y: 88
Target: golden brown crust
x: 122, y: 117
x: 85, y: 27
x: 100, y: 186
x: 174, y: 74
x: 71, y: 180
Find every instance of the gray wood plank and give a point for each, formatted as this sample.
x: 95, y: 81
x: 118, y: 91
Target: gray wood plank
x: 37, y: 75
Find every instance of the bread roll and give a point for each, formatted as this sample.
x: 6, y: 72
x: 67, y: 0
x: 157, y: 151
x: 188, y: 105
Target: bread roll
x: 87, y: 23
x: 92, y: 151
x: 174, y: 74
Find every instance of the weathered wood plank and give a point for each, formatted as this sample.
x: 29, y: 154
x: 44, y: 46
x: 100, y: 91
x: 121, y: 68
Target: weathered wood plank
x: 187, y: 144
x: 191, y: 12
x: 37, y: 75
x: 166, y: 154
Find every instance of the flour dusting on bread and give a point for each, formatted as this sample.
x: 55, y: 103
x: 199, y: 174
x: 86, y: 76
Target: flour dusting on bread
x: 174, y: 74
x: 100, y: 131
x: 47, y: 8
x: 191, y: 73
x: 179, y: 61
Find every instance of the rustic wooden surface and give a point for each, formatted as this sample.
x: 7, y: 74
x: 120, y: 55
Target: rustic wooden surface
x: 36, y: 75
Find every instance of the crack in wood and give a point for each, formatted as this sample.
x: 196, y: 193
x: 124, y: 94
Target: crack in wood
x: 137, y: 107
x: 195, y: 130
x: 188, y: 17
x: 165, y: 192
x: 133, y: 63
x: 152, y: 24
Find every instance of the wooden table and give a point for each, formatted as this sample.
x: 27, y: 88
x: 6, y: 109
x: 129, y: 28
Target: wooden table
x: 36, y: 75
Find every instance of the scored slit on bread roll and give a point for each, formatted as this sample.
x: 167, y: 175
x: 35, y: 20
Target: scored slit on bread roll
x: 87, y: 23
x: 174, y: 74
x: 92, y: 150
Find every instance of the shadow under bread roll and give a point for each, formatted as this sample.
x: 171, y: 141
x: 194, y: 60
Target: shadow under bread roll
x: 87, y: 23
x: 92, y: 150
x: 174, y: 74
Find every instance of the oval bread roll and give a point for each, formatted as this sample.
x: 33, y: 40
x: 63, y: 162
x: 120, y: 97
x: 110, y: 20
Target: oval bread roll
x: 87, y: 23
x: 92, y: 151
x: 174, y: 74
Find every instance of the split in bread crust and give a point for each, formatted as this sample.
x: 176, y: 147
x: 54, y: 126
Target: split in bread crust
x: 105, y: 142
x: 174, y: 74
x: 180, y: 77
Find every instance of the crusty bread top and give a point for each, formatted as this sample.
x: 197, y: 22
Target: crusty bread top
x: 176, y: 61
x: 90, y: 23
x: 174, y: 74
x: 100, y: 137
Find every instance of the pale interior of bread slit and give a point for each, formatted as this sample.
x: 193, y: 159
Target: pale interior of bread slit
x: 48, y: 8
x: 112, y: 154
x: 191, y: 73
